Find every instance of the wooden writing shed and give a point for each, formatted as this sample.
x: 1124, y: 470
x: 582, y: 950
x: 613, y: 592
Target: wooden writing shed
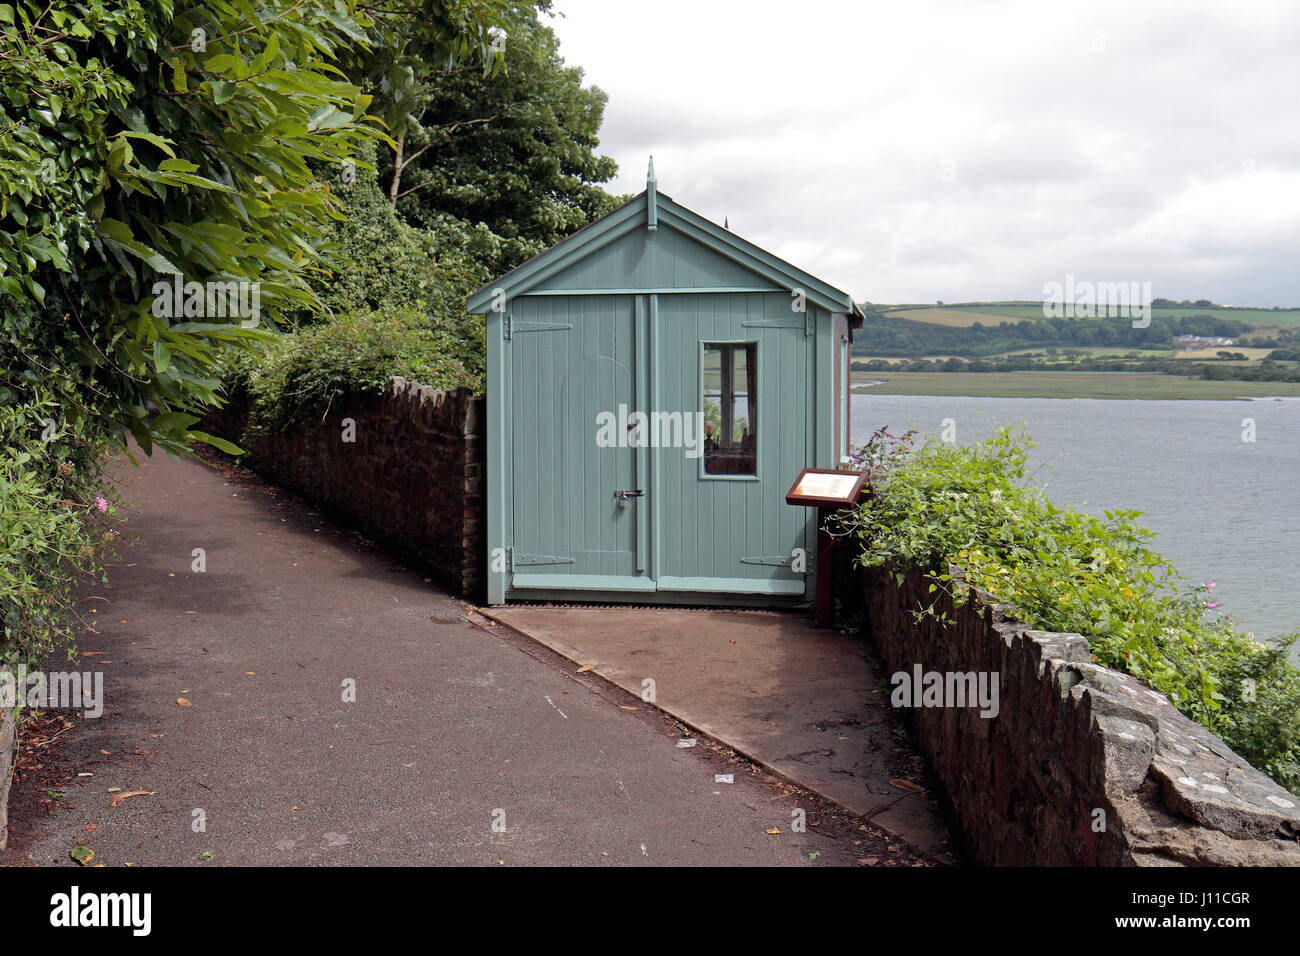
x: 655, y: 383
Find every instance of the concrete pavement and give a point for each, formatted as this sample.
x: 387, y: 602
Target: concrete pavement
x: 802, y: 702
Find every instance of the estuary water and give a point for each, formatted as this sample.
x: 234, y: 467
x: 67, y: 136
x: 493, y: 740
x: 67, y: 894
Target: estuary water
x: 1225, y: 509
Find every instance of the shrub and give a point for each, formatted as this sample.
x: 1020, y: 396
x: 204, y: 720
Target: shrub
x: 303, y: 373
x: 53, y: 525
x: 1063, y: 570
x: 373, y: 259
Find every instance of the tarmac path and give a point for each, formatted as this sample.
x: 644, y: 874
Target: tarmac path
x: 224, y: 692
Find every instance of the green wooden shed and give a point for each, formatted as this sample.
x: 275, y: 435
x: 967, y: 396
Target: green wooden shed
x: 655, y: 385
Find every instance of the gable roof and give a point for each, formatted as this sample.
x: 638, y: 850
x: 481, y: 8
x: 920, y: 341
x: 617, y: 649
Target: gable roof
x: 635, y: 214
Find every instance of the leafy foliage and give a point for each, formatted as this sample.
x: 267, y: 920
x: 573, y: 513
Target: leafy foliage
x: 143, y: 140
x: 408, y: 40
x: 52, y: 528
x: 352, y: 354
x: 506, y: 161
x: 372, y: 259
x: 180, y: 141
x: 1063, y: 570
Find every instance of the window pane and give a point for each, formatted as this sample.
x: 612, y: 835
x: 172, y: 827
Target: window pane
x: 731, y: 408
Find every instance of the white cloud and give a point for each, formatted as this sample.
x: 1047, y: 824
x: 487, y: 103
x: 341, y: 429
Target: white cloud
x: 935, y: 150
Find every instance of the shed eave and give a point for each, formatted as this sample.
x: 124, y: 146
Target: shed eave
x: 549, y: 261
x: 673, y: 215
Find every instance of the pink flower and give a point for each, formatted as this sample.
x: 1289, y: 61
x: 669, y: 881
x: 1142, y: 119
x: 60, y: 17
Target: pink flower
x: 101, y: 503
x: 1212, y: 605
x: 1209, y: 586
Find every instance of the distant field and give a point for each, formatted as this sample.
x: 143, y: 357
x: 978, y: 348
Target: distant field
x: 965, y: 314
x: 1081, y: 352
x: 1065, y: 385
x: 960, y: 318
x: 1100, y: 350
x: 1208, y: 353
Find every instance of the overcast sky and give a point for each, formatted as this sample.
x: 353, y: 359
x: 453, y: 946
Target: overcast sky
x: 923, y: 151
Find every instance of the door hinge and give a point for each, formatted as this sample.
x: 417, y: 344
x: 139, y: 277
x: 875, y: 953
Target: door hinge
x: 527, y: 560
x: 510, y: 328
x: 777, y: 560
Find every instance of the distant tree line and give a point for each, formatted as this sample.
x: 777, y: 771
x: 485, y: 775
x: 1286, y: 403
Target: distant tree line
x: 885, y: 334
x: 1200, y: 304
x: 1268, y: 370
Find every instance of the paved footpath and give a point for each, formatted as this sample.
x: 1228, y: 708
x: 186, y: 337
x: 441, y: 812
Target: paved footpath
x: 454, y: 727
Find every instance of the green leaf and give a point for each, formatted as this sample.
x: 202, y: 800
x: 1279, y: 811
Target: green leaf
x: 162, y: 356
x: 219, y: 443
x: 222, y: 63
x: 169, y: 422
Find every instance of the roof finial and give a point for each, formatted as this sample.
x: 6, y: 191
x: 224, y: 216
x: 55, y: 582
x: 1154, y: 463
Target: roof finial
x: 651, y: 198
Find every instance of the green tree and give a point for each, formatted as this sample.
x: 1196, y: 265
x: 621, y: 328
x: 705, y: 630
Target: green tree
x: 168, y: 143
x: 144, y: 140
x: 411, y: 41
x: 514, y: 150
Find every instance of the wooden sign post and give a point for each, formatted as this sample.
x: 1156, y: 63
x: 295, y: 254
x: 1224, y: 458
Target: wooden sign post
x: 828, y: 491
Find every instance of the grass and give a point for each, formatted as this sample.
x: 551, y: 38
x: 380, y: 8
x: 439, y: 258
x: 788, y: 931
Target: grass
x: 1070, y: 352
x: 959, y: 318
x: 1066, y: 385
x: 1210, y: 353
x: 966, y: 314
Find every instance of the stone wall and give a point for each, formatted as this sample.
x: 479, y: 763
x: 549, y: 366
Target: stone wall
x: 412, y: 478
x: 1081, y: 765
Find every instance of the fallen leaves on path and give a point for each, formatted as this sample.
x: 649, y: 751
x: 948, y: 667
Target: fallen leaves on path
x: 119, y: 797
x: 907, y: 785
x: 585, y: 667
x: 183, y: 702
x: 82, y: 854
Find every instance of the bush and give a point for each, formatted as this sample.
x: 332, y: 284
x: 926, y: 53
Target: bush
x: 53, y: 526
x: 303, y: 373
x: 374, y: 260
x: 1063, y: 570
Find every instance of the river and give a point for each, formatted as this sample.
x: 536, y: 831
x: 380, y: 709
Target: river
x: 1225, y: 510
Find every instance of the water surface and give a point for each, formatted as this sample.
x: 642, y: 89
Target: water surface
x: 1226, y: 510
